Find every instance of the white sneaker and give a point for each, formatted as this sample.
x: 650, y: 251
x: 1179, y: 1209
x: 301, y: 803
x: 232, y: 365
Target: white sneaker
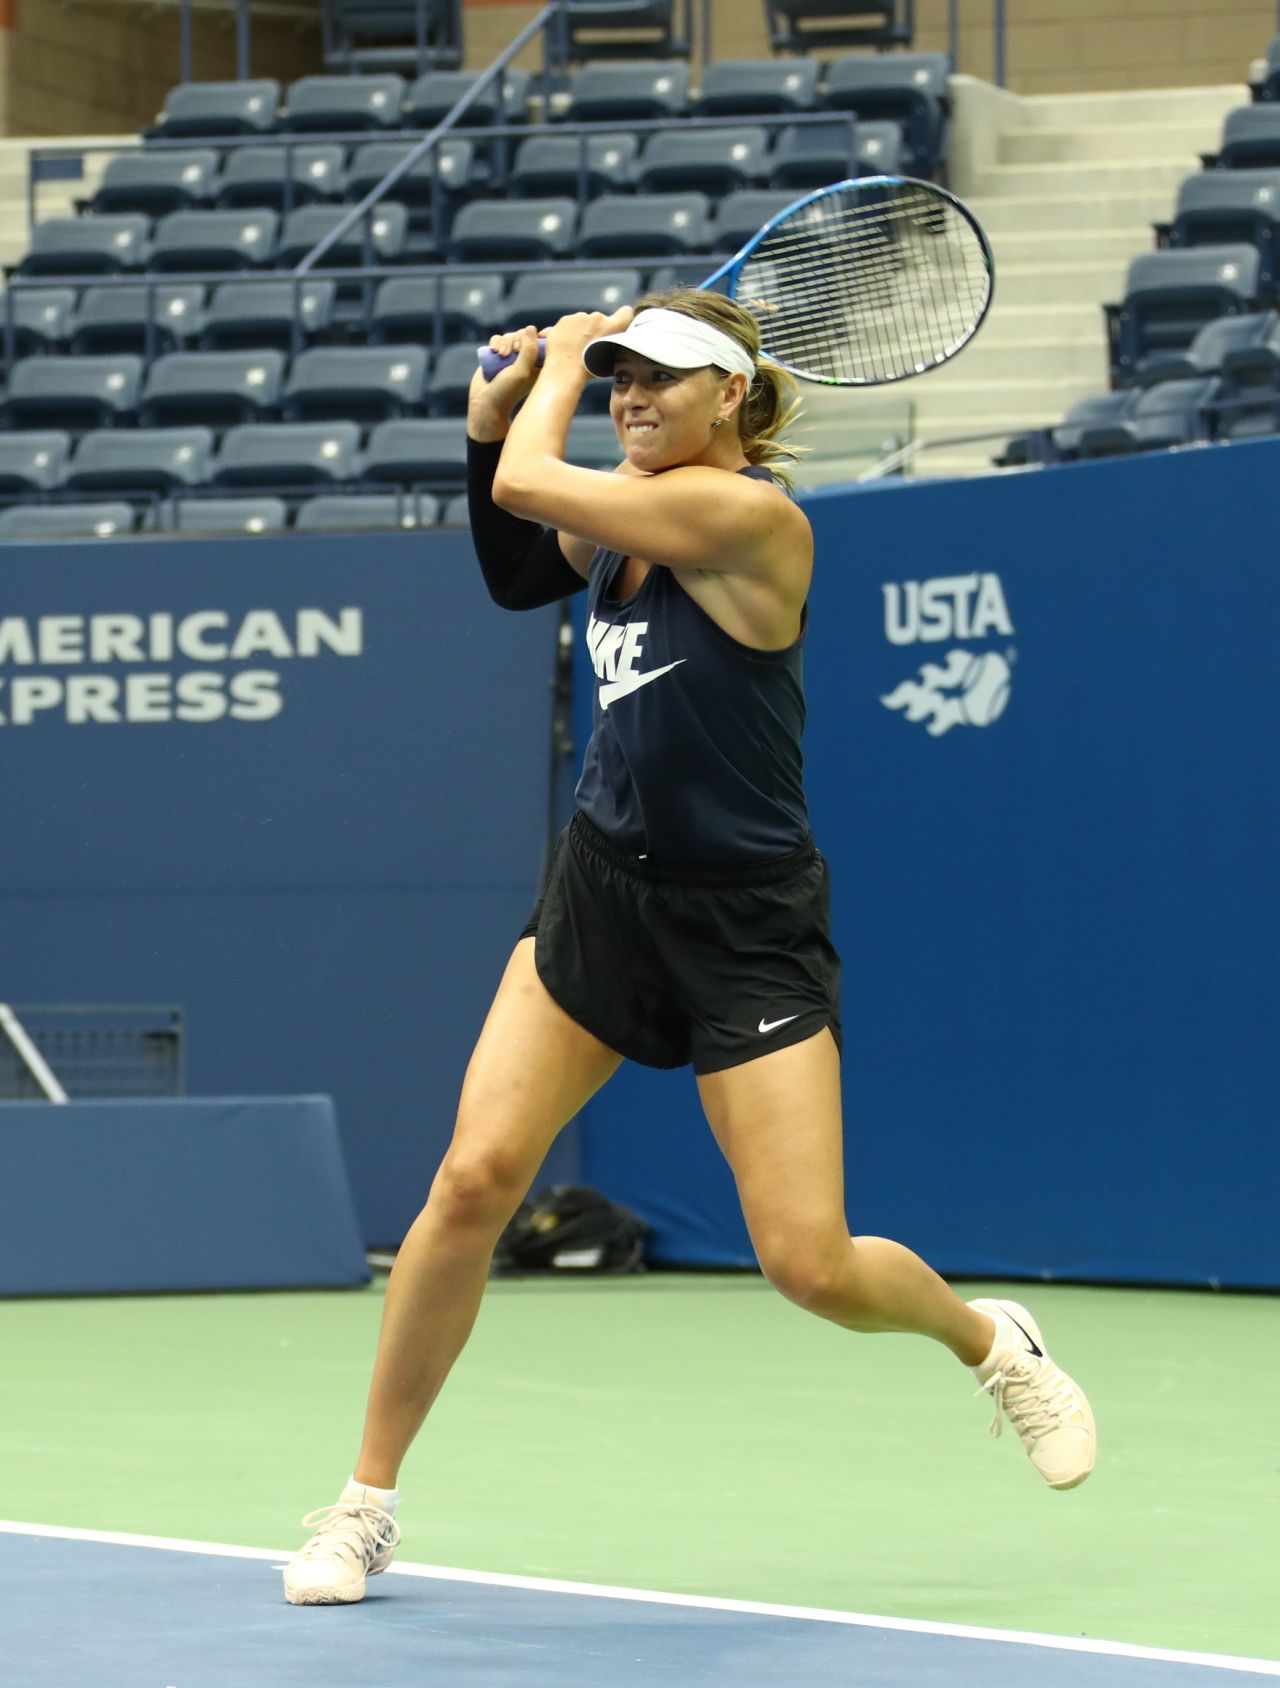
x: 1047, y: 1409
x: 356, y: 1539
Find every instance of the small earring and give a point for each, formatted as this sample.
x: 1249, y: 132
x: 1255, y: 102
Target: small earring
x: 717, y: 422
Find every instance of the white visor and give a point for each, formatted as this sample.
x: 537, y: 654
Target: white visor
x: 674, y: 340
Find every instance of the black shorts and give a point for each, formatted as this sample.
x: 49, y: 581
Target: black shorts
x: 670, y: 964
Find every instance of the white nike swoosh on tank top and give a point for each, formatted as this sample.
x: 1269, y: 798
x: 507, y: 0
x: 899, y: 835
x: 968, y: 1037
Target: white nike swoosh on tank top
x: 614, y: 689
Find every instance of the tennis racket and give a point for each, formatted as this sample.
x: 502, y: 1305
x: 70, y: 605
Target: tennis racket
x: 860, y: 283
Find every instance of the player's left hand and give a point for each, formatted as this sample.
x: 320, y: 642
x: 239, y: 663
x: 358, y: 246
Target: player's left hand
x: 568, y: 338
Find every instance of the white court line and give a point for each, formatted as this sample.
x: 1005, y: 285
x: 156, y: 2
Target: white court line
x: 707, y: 1603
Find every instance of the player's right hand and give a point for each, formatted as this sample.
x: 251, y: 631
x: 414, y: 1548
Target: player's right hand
x: 490, y: 403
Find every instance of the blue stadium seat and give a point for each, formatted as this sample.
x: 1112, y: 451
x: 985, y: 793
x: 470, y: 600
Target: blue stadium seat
x: 262, y: 313
x: 1219, y: 207
x: 66, y: 521
x: 86, y: 245
x: 877, y: 149
x: 642, y: 91
x: 456, y: 512
x: 434, y: 310
x: 366, y: 512
x: 909, y: 89
x: 34, y: 462
x: 392, y: 34
x: 72, y: 392
x: 287, y: 454
x: 154, y: 183
x: 742, y: 214
x: 430, y: 189
x: 542, y: 297
x: 212, y: 389
x: 214, y: 240
x: 1267, y: 87
x: 224, y: 109
x: 575, y: 166
x: 526, y: 230
x: 798, y: 26
x: 360, y: 383
x: 757, y: 87
x: 1097, y: 410
x: 623, y: 29
x: 710, y: 161
x: 433, y: 95
x: 1250, y: 139
x: 593, y: 442
x: 1248, y: 346
x: 1169, y: 296
x: 280, y: 177
x: 451, y: 381
x: 430, y: 455
x: 310, y: 223
x: 657, y: 225
x: 813, y: 155
x: 1170, y: 414
x: 224, y: 515
x: 116, y: 319
x: 41, y: 316
x: 339, y: 104
x: 140, y: 460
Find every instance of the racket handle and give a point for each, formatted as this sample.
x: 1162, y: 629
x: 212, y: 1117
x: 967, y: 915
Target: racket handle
x: 491, y: 362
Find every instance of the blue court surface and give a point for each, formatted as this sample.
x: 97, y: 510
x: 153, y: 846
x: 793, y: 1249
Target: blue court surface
x: 85, y: 1609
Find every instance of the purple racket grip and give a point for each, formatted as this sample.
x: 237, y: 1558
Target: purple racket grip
x: 491, y: 362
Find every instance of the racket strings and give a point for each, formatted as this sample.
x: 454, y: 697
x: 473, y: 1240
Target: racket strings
x: 868, y: 284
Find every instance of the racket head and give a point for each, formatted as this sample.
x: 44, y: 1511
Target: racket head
x: 868, y: 281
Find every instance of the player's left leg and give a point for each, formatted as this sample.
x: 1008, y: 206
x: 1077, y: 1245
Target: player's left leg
x: 777, y: 1120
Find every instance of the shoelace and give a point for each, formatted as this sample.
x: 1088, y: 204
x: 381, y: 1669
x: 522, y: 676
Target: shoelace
x: 357, y: 1528
x: 1041, y: 1396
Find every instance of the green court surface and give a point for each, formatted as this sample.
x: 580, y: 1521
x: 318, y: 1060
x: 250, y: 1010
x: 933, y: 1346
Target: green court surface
x: 693, y: 1434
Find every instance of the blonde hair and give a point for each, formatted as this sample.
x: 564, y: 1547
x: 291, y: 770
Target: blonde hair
x: 770, y: 402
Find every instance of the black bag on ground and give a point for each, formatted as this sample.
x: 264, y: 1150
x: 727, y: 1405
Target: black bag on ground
x: 571, y: 1228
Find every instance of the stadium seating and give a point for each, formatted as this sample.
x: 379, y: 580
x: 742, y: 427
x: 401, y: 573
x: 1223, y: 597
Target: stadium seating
x: 287, y: 454
x: 620, y: 29
x: 811, y: 155
x: 431, y: 455
x: 1267, y: 87
x: 615, y: 93
x: 267, y: 314
x: 1250, y: 140
x: 741, y: 214
x: 1240, y: 343
x: 528, y: 230
x: 456, y: 512
x: 659, y: 225
x: 434, y: 94
x: 214, y: 240
x: 194, y: 110
x: 909, y: 89
x: 33, y: 462
x: 365, y: 384
x: 384, y: 34
x: 1170, y: 295
x: 280, y: 176
x: 335, y: 512
x: 221, y: 515
x: 343, y: 104
x: 543, y: 298
x: 138, y: 317
x: 593, y: 442
x: 154, y: 183
x: 72, y: 392
x: 86, y: 245
x: 756, y: 87
x: 41, y: 318
x: 451, y: 381
x: 434, y: 311
x: 1219, y: 207
x: 140, y: 460
x: 306, y: 227
x: 1098, y: 410
x: 710, y: 161
x: 573, y: 166
x: 797, y: 26
x: 214, y: 389
x: 66, y: 521
x: 1171, y: 414
x: 444, y: 171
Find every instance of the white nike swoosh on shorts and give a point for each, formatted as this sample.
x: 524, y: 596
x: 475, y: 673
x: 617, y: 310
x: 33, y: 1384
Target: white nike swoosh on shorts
x: 614, y: 689
x: 772, y: 1025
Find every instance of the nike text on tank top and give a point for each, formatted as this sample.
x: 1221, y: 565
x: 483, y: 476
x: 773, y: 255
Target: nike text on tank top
x: 695, y: 748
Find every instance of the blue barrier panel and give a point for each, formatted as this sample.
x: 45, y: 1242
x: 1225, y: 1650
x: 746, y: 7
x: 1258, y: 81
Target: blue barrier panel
x: 1039, y: 762
x: 223, y: 1193
x: 296, y: 787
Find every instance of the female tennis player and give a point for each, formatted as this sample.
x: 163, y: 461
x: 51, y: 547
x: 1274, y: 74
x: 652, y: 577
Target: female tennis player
x: 684, y: 917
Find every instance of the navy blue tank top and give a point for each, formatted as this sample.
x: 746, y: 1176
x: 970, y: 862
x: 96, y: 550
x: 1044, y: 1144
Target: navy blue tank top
x: 695, y: 748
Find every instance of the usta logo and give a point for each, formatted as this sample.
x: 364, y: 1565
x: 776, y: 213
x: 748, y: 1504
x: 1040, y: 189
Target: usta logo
x: 964, y: 690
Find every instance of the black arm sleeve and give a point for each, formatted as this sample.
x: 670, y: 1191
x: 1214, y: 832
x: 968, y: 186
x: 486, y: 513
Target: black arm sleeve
x: 522, y: 563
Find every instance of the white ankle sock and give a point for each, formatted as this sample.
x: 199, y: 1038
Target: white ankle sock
x: 385, y: 1498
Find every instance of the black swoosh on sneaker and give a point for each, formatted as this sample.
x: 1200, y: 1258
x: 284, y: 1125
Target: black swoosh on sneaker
x: 1038, y: 1352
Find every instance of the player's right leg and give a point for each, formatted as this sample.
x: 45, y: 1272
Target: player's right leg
x: 533, y: 1068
